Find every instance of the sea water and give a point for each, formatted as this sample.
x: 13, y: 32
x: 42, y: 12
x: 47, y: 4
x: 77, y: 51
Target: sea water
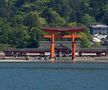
x: 56, y: 76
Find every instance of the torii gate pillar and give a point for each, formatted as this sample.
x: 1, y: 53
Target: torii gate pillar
x: 73, y: 47
x: 52, y: 46
x: 72, y: 30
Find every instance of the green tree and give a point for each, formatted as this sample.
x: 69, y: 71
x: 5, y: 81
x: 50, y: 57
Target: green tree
x: 57, y: 20
x: 85, y: 42
x: 5, y: 29
x: 87, y: 19
x: 34, y: 20
x: 19, y: 36
x: 71, y: 24
x: 105, y: 14
x: 35, y: 36
x: 18, y: 18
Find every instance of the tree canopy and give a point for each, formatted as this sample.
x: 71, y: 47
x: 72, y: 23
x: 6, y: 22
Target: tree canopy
x: 20, y: 20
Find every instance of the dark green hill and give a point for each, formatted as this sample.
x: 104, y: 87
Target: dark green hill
x: 20, y: 20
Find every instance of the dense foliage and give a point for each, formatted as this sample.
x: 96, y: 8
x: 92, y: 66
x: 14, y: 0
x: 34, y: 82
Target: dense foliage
x: 20, y: 20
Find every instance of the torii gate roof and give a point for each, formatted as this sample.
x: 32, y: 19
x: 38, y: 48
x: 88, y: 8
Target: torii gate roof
x: 64, y: 29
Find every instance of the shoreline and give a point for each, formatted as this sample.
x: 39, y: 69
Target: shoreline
x: 62, y: 60
x: 56, y: 61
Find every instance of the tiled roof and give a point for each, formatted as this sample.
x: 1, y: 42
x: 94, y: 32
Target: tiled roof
x: 68, y: 44
x: 99, y: 26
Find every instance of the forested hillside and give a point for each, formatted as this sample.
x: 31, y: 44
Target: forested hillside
x: 20, y: 20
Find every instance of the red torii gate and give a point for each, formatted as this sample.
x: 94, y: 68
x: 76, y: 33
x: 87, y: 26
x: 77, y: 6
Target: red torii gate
x: 72, y: 30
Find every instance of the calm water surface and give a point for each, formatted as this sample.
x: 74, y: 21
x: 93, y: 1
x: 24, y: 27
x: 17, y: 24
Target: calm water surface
x: 58, y: 76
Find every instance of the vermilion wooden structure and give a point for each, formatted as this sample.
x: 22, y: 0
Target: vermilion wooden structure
x: 72, y: 30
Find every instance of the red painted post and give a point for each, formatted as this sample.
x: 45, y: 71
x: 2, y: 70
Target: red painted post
x: 73, y: 47
x: 52, y: 46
